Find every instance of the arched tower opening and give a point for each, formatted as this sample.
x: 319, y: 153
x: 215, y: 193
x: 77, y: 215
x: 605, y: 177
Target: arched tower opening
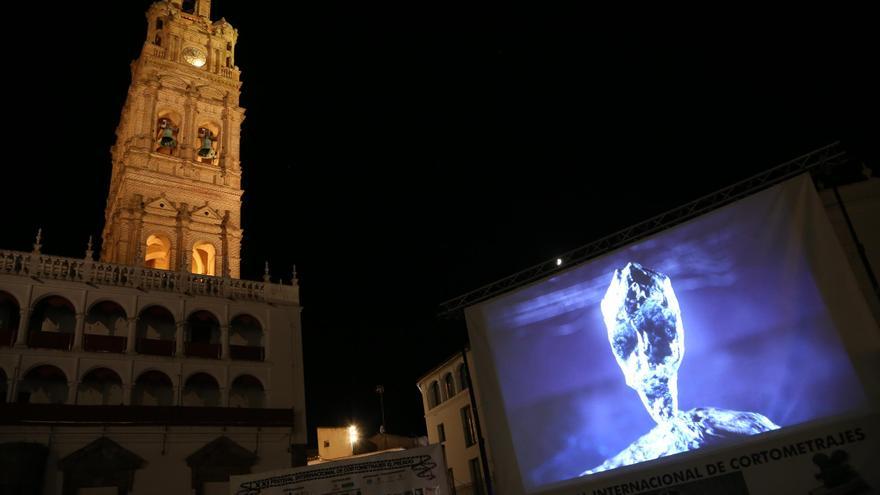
x: 204, y: 259
x: 158, y: 252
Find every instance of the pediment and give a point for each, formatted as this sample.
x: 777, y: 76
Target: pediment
x: 222, y: 451
x: 161, y: 206
x: 103, y: 453
x: 173, y: 82
x: 211, y: 93
x: 206, y: 214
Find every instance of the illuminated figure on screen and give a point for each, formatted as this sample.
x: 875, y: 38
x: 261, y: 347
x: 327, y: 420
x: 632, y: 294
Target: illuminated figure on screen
x: 646, y: 334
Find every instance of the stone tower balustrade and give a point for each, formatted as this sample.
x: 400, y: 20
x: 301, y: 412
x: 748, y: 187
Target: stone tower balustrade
x: 96, y: 273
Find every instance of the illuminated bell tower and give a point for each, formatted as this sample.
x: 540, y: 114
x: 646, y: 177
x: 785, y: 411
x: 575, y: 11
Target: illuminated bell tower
x: 175, y: 191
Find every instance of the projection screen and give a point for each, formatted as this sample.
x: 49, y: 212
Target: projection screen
x: 733, y: 326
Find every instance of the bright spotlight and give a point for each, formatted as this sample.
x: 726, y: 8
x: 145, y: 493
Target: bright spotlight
x: 558, y: 261
x: 353, y: 434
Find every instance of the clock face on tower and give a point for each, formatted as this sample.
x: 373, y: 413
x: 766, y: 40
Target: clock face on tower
x: 193, y: 56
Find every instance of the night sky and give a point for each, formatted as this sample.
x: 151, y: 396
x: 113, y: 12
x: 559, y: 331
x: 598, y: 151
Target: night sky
x: 413, y: 153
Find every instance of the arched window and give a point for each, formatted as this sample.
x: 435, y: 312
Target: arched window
x: 203, y: 258
x: 43, y: 385
x: 247, y: 391
x: 158, y: 252
x: 246, y: 338
x: 188, y: 6
x: 100, y: 387
x: 450, y: 385
x: 9, y: 319
x: 201, y: 390
x: 52, y: 324
x: 203, y: 335
x: 106, y: 318
x: 463, y: 378
x: 156, y: 331
x: 152, y: 388
x: 106, y: 328
x: 434, y: 395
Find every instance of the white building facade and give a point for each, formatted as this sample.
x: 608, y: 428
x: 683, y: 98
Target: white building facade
x: 450, y: 418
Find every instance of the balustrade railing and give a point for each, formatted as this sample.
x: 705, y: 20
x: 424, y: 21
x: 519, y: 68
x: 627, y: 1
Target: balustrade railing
x: 103, y: 343
x: 202, y: 349
x: 247, y: 353
x: 43, y: 266
x: 155, y: 50
x: 155, y: 347
x: 50, y: 340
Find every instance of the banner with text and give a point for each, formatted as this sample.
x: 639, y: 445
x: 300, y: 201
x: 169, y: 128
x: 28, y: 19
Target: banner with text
x: 737, y: 326
x: 406, y: 472
x: 838, y: 458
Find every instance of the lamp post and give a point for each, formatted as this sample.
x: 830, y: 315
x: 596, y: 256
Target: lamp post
x: 381, y: 391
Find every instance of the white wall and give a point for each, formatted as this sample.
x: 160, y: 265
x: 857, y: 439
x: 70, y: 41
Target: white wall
x: 448, y: 413
x: 333, y: 443
x: 162, y: 474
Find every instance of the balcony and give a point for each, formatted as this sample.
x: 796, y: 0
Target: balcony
x: 103, y: 343
x: 203, y: 350
x: 156, y: 347
x: 45, y: 267
x: 7, y: 337
x: 247, y: 353
x: 50, y: 340
x: 79, y: 415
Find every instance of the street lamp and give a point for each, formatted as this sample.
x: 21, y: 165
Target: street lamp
x: 381, y: 391
x: 353, y: 436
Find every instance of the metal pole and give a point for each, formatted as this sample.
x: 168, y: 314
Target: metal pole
x: 381, y: 390
x: 484, y: 460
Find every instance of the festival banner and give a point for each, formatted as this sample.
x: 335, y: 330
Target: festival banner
x: 418, y: 471
x: 833, y: 459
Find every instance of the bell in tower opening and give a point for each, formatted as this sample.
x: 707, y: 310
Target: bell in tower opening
x: 167, y: 136
x: 207, y: 151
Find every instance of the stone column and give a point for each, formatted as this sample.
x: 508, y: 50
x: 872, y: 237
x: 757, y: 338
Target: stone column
x: 138, y: 242
x: 188, y: 129
x: 181, y: 331
x: 71, y: 392
x: 152, y: 97
x: 223, y: 144
x: 126, y: 395
x: 78, y: 333
x: 224, y: 341
x: 224, y: 397
x: 12, y: 381
x: 178, y: 389
x: 131, y: 338
x: 22, y: 333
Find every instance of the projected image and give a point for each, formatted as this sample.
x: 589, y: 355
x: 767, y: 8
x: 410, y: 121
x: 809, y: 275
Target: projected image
x: 647, y: 338
x: 591, y: 363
